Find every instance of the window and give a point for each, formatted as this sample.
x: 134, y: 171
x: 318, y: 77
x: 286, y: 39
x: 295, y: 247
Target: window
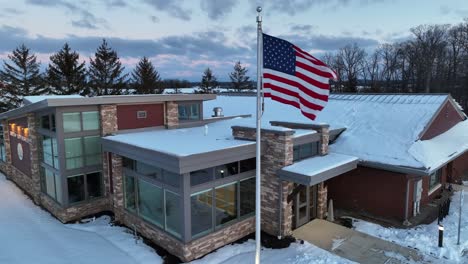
x: 2, y: 145
x: 172, y: 211
x: 51, y: 184
x: 47, y: 122
x: 150, y: 202
x: 201, y: 176
x: 90, y: 120
x: 94, y: 184
x: 247, y: 196
x: 141, y: 114
x: 201, y: 212
x: 76, y: 189
x: 225, y: 203
x: 49, y: 151
x: 189, y: 112
x: 148, y: 170
x: 92, y: 150
x: 304, y: 151
x: 80, y: 121
x: 73, y: 153
x: 248, y: 165
x: 226, y: 170
x: 434, y: 179
x: 71, y: 122
x: 172, y: 179
x: 128, y: 163
x: 130, y: 198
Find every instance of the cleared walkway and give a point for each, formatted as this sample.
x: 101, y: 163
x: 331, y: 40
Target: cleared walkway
x: 354, y: 245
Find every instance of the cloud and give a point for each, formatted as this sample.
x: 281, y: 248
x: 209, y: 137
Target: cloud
x: 329, y: 42
x: 86, y: 19
x: 302, y: 28
x: 217, y: 9
x: 154, y: 19
x: 173, y: 7
x: 10, y: 12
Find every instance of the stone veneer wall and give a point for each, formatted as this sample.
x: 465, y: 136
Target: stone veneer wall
x: 109, y: 126
x: 74, y: 212
x: 186, y: 252
x: 35, y: 149
x: 172, y: 114
x: 278, y: 152
x: 6, y: 166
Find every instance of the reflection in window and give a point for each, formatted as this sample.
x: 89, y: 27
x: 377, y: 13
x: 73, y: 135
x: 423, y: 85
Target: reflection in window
x: 47, y: 152
x: 304, y: 151
x: 189, y: 112
x: 201, y: 176
x: 148, y: 170
x: 71, y: 122
x: 201, y: 206
x: 94, y: 184
x: 73, y: 153
x: 247, y: 196
x: 76, y: 188
x: 92, y: 150
x: 173, y: 179
x: 130, y: 201
x: 90, y: 120
x: 226, y: 203
x: 150, y: 202
x: 173, y: 217
x: 434, y: 179
x: 226, y: 170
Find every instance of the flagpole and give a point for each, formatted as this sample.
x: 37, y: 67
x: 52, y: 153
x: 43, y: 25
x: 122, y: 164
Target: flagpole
x: 258, y: 194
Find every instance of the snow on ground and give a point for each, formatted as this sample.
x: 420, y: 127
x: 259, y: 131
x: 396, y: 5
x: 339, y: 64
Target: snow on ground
x: 425, y: 237
x: 296, y: 253
x: 31, y: 235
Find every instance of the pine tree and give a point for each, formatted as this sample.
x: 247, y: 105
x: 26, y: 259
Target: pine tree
x: 208, y: 83
x: 65, y: 74
x: 239, y: 79
x: 146, y: 79
x: 106, y: 72
x: 20, y: 77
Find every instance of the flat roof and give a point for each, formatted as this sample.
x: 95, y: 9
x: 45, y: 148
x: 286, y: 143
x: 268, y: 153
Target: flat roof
x: 34, y: 103
x: 318, y: 169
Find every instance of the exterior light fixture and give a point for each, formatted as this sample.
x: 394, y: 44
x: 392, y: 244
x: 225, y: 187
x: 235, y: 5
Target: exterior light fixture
x: 441, y: 235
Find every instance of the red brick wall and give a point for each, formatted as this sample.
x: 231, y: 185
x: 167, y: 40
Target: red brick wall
x: 23, y: 165
x: 458, y: 168
x: 447, y: 118
x: 379, y: 192
x: 127, y: 116
x: 426, y: 198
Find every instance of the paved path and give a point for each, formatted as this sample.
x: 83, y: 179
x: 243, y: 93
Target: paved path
x: 354, y: 245
x: 30, y: 235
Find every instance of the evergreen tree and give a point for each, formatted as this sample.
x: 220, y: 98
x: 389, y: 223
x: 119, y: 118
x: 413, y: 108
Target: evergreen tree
x: 146, y: 79
x: 239, y: 79
x: 65, y: 74
x: 20, y: 77
x: 106, y: 72
x: 208, y: 83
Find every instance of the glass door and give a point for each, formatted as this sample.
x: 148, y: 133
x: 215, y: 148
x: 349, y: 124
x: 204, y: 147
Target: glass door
x: 302, y: 206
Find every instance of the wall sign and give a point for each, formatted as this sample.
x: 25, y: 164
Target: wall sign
x: 20, y: 137
x: 19, y: 149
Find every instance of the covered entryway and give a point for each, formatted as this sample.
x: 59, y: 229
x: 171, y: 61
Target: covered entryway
x: 309, y: 196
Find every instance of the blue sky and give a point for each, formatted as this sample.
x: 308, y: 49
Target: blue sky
x: 182, y: 37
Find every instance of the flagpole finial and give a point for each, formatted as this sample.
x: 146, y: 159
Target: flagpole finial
x: 259, y: 9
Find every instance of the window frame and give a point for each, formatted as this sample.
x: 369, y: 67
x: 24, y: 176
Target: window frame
x: 81, y: 120
x: 187, y: 106
x: 438, y: 180
x: 85, y: 186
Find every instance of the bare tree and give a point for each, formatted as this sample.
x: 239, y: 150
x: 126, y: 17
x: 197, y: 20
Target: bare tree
x: 351, y: 57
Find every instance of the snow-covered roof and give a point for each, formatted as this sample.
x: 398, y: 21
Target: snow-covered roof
x: 185, y: 141
x: 319, y: 168
x: 38, y: 98
x: 379, y: 128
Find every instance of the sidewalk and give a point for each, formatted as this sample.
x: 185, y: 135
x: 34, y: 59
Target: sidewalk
x: 354, y: 245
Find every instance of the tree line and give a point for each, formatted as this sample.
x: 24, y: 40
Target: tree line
x: 433, y: 60
x: 65, y: 75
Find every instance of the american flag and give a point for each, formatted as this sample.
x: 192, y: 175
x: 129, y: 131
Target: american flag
x: 294, y: 77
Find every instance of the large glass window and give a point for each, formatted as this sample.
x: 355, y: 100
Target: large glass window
x: 76, y: 188
x: 47, y: 122
x: 189, y: 111
x: 49, y: 151
x: 201, y: 212
x: 435, y: 179
x: 71, y: 122
x: 148, y: 170
x: 201, y: 176
x: 130, y: 197
x: 94, y: 184
x: 226, y: 203
x: 172, y: 211
x: 150, y: 202
x: 73, y: 153
x: 304, y: 151
x: 247, y: 196
x: 248, y: 165
x: 226, y: 170
x: 92, y: 150
x: 2, y: 145
x: 90, y: 120
x: 173, y: 179
x: 51, y: 184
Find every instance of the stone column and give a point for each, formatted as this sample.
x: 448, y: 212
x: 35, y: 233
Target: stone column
x: 117, y: 177
x: 35, y: 152
x: 108, y: 115
x: 324, y: 131
x: 6, y: 139
x: 278, y: 153
x: 322, y: 191
x: 172, y: 114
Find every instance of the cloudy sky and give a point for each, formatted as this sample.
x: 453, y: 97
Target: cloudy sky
x: 182, y: 37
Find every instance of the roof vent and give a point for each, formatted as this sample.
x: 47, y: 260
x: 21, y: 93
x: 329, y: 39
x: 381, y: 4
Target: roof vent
x: 218, y: 112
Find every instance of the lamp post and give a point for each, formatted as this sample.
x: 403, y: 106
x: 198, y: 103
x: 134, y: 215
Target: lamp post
x: 441, y: 235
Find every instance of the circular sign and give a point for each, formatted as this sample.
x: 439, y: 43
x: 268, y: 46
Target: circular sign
x: 19, y: 148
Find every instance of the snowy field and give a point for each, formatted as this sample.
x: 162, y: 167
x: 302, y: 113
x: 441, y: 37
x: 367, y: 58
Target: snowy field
x: 424, y: 238
x: 31, y: 235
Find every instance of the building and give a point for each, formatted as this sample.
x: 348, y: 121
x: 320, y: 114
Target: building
x: 184, y: 177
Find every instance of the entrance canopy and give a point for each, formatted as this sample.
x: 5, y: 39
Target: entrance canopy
x: 318, y: 169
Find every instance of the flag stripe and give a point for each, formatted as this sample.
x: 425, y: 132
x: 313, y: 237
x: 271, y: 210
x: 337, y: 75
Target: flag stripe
x: 321, y: 66
x: 293, y: 103
x: 294, y: 94
x: 307, y: 65
x: 309, y: 88
x: 312, y: 93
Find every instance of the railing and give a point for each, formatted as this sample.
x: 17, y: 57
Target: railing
x: 444, y: 209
